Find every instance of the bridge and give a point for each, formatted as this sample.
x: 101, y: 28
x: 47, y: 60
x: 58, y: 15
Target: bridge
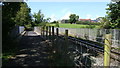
x: 47, y: 47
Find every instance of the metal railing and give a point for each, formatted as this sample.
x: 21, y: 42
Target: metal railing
x: 86, y: 49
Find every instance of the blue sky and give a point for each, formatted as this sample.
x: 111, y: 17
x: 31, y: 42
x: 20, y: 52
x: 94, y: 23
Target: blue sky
x: 62, y: 10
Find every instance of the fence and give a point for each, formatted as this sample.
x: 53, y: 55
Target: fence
x: 37, y: 30
x: 85, y: 52
x: 97, y: 35
x: 17, y: 30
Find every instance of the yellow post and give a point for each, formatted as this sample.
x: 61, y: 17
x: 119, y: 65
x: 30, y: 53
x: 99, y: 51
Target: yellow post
x: 107, y: 48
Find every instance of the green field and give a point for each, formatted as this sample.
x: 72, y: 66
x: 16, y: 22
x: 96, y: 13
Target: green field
x: 76, y: 26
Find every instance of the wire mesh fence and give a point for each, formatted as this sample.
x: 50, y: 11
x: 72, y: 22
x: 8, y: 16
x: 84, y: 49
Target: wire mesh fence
x: 85, y: 55
x: 97, y: 35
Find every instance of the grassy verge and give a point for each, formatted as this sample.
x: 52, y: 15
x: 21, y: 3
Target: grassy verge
x: 75, y: 26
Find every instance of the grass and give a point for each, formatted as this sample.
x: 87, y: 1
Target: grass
x: 76, y: 26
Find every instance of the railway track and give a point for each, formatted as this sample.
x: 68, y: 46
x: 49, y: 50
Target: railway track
x: 92, y: 46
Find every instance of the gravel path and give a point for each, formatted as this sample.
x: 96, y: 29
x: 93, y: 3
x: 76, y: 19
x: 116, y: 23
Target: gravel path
x: 33, y: 51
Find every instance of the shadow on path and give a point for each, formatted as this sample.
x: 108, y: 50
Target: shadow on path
x: 33, y: 51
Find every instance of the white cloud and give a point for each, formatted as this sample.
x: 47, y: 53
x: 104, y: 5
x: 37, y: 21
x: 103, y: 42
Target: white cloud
x: 66, y: 16
x: 97, y: 16
x: 88, y: 16
x: 53, y: 18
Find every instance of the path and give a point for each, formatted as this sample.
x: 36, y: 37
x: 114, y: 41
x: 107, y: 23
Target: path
x: 33, y: 51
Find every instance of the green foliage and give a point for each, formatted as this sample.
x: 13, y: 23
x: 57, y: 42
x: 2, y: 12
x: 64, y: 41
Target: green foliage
x: 90, y: 26
x: 13, y: 13
x: 73, y: 18
x: 28, y: 27
x: 23, y: 16
x: 57, y: 25
x: 54, y: 22
x: 87, y: 23
x: 9, y: 10
x: 75, y: 26
x: 83, y: 22
x: 42, y: 24
x: 38, y: 17
x: 47, y: 20
x: 114, y: 14
x: 105, y: 23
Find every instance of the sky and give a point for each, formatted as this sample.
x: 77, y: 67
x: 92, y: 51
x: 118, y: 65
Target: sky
x: 62, y: 10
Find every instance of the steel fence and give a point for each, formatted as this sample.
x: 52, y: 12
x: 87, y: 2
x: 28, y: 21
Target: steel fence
x: 86, y: 55
x: 97, y: 35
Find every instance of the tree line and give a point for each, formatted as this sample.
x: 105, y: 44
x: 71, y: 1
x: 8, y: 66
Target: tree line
x: 18, y: 13
x: 110, y: 21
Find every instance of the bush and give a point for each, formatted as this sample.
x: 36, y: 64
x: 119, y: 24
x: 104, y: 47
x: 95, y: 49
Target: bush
x: 83, y: 22
x: 28, y: 27
x: 87, y: 23
x: 57, y: 24
x: 42, y: 24
x: 54, y: 22
x: 90, y: 26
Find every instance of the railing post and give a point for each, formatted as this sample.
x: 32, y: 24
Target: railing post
x: 57, y: 43
x: 53, y: 32
x: 66, y: 41
x: 46, y: 31
x: 53, y: 36
x: 107, y: 48
x: 57, y: 31
x: 66, y: 46
x: 49, y: 32
x: 43, y: 31
x: 66, y: 35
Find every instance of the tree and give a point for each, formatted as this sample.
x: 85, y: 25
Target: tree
x: 23, y: 17
x: 114, y: 14
x: 9, y: 11
x: 105, y: 22
x: 39, y: 17
x: 73, y: 18
x: 48, y: 19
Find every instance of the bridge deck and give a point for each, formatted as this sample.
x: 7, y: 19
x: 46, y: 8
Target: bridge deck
x: 33, y: 51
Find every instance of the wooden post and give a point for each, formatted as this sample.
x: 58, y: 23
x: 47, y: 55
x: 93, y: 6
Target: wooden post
x: 43, y: 31
x: 107, y: 48
x: 66, y: 34
x: 53, y: 31
x: 52, y: 36
x: 57, y: 43
x: 49, y: 32
x: 57, y: 31
x: 66, y: 46
x: 66, y: 40
x: 46, y: 31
